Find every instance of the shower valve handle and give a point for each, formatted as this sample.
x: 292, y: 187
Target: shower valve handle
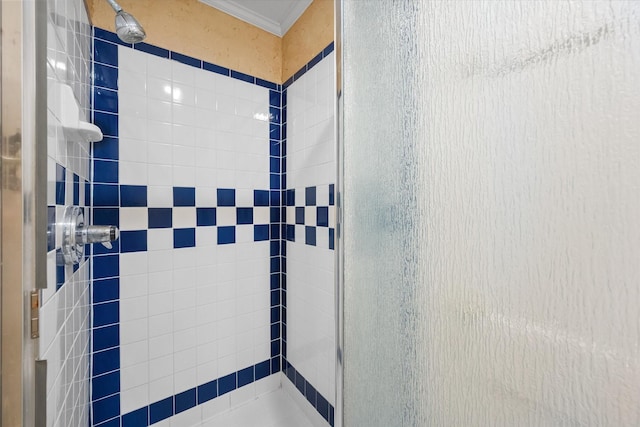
x: 75, y: 234
x: 97, y: 234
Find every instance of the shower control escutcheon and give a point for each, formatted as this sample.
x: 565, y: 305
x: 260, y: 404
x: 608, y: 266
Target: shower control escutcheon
x: 75, y: 234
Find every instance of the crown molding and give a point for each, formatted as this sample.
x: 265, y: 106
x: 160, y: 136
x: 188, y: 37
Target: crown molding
x: 247, y: 15
x: 294, y: 13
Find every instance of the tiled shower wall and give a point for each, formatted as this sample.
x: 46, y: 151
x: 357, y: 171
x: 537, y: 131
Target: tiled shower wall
x: 310, y: 231
x: 65, y: 304
x: 187, y: 302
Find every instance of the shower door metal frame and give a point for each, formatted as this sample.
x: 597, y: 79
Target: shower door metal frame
x: 23, y: 221
x: 339, y: 260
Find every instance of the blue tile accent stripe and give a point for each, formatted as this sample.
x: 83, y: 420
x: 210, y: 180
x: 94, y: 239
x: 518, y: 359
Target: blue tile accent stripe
x: 277, y: 257
x: 319, y: 402
x: 266, y: 83
x: 161, y: 410
x: 153, y: 50
x: 185, y: 59
x: 216, y: 69
x: 242, y: 76
x: 105, y: 352
x: 104, y: 48
x: 165, y: 408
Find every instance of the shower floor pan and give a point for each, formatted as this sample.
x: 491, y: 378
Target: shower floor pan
x: 275, y: 409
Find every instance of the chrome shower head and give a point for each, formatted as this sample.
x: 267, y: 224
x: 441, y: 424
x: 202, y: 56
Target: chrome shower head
x: 127, y: 27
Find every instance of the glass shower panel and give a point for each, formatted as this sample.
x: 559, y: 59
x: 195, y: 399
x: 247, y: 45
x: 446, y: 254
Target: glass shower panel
x: 490, y: 218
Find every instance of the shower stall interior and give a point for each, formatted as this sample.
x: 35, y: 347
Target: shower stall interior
x: 189, y: 213
x: 474, y: 191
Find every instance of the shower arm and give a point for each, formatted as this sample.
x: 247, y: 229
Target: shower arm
x: 115, y: 5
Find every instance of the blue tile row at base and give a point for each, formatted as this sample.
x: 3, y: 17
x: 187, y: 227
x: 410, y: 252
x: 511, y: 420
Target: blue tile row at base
x: 319, y: 402
x: 106, y: 411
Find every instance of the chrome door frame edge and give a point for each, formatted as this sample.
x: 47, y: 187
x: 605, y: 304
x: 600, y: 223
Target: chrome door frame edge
x: 24, y: 214
x: 339, y: 260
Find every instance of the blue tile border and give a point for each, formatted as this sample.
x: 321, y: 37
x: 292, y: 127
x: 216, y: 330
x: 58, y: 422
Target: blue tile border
x: 216, y: 69
x: 185, y: 59
x: 317, y: 400
x: 266, y: 83
x: 161, y: 410
x: 105, y: 57
x: 105, y: 332
x: 153, y: 50
x: 242, y: 76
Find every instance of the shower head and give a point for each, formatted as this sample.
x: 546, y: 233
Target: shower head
x: 127, y: 27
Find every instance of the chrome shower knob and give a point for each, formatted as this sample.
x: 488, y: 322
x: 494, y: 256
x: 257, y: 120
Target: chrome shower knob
x: 75, y: 235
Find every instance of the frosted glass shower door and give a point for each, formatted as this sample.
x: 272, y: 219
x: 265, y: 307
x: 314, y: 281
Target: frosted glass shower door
x: 491, y: 213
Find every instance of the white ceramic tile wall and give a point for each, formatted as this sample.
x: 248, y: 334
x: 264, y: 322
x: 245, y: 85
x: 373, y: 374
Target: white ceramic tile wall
x: 64, y: 343
x: 190, y: 315
x: 187, y: 127
x: 310, y: 127
x: 310, y: 269
x: 68, y: 61
x: 65, y: 314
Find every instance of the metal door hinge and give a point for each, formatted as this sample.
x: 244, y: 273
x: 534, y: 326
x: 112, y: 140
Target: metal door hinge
x: 35, y: 316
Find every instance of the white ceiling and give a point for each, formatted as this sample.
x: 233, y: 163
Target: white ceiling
x: 274, y: 16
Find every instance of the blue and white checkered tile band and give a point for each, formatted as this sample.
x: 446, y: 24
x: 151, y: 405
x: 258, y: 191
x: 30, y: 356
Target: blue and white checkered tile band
x: 142, y: 226
x: 310, y: 213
